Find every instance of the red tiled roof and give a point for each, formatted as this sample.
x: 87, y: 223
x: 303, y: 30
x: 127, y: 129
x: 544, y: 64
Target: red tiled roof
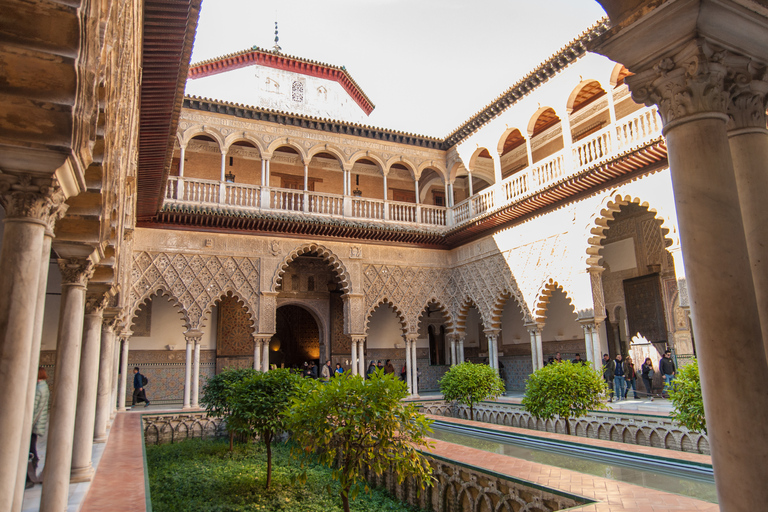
x: 260, y: 57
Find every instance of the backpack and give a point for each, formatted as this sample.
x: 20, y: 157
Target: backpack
x: 144, y: 381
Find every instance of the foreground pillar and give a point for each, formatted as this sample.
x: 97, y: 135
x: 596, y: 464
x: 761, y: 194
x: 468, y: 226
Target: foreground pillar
x: 689, y: 88
x: 75, y: 273
x: 265, y: 354
x: 104, y: 391
x: 452, y: 339
x: 257, y: 354
x: 82, y: 469
x: 748, y: 140
x: 196, y: 375
x: 116, y: 344
x: 361, y: 357
x: 353, y: 364
x: 188, y: 371
x: 125, y: 339
x: 29, y: 210
x: 461, y: 348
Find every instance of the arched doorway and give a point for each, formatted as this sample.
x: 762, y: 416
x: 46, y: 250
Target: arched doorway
x: 296, y: 340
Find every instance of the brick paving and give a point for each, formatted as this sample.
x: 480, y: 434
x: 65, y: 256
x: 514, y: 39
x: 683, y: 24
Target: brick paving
x: 610, y: 495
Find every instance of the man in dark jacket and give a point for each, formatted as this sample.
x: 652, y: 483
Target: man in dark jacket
x: 608, y: 375
x: 139, y: 395
x: 619, y: 378
x: 667, y: 369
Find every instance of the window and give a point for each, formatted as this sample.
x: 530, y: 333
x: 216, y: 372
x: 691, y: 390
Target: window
x: 297, y: 92
x: 438, y: 198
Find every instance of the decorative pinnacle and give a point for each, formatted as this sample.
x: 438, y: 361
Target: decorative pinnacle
x: 276, y: 48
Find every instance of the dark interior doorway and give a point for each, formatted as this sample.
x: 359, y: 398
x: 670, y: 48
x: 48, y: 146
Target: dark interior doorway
x: 296, y: 339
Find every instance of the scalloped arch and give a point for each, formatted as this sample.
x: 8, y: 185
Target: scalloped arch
x: 441, y: 307
x: 460, y: 323
x: 391, y: 304
x: 251, y: 309
x: 542, y: 300
x: 159, y: 291
x: 609, y: 207
x: 334, y: 261
x: 501, y: 301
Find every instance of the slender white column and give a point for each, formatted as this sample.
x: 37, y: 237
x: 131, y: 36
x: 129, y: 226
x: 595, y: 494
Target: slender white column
x: 408, y: 365
x: 565, y: 123
x: 361, y: 357
x: 104, y: 392
x: 529, y: 149
x: 447, y: 193
x: 257, y: 354
x: 181, y: 161
x: 265, y: 355
x: 596, y: 346
x: 611, y: 107
x: 386, y: 196
x: 223, y: 166
x: 61, y: 429
x: 453, y: 350
x: 306, y: 177
x: 267, y: 173
x: 537, y: 353
x: 461, y: 348
x: 188, y: 372
x: 416, y: 189
x: 196, y: 375
x: 493, y: 348
x: 263, y: 171
x: 90, y: 355
x: 589, y: 343
x: 414, y: 368
x: 471, y: 185
x: 123, y: 373
x: 354, y: 357
x: 37, y: 335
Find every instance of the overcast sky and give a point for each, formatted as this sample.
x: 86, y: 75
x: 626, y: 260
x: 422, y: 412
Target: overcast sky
x: 427, y: 65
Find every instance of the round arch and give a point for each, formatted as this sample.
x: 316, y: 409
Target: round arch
x: 404, y: 162
x: 438, y: 168
x: 535, y: 117
x: 330, y: 149
x: 618, y: 75
x: 367, y: 155
x: 480, y: 152
x: 328, y: 256
x: 504, y: 136
x: 576, y: 90
x: 284, y: 141
x: 316, y: 314
x: 193, y: 131
x: 610, y: 206
x: 243, y: 137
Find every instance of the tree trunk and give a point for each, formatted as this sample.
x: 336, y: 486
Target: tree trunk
x: 567, y: 426
x: 345, y: 499
x: 268, y: 442
x: 471, y: 413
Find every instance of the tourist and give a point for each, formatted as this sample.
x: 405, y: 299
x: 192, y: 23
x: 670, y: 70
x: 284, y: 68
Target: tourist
x: 312, y: 370
x: 404, y: 373
x: 379, y: 365
x: 608, y: 375
x: 549, y: 361
x: 339, y: 370
x: 371, y: 371
x: 667, y: 369
x: 558, y: 359
x: 577, y: 359
x: 139, y: 394
x: 39, y: 426
x: 647, y: 374
x: 326, y: 371
x: 619, y: 380
x: 305, y: 372
x: 389, y: 368
x: 631, y: 376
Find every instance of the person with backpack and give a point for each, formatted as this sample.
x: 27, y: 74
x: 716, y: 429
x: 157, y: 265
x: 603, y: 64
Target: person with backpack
x: 139, y: 381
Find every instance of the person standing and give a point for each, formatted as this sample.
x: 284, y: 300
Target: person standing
x: 577, y: 359
x: 647, y: 374
x: 39, y: 425
x: 139, y: 395
x: 667, y: 369
x: 619, y: 378
x: 389, y: 368
x: 608, y: 375
x: 326, y: 372
x: 404, y: 373
x: 371, y: 370
x: 339, y: 370
x: 379, y: 365
x: 631, y: 375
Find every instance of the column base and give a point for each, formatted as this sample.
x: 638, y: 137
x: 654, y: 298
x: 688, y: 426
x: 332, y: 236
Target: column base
x: 84, y: 474
x: 123, y: 409
x: 186, y: 407
x: 100, y: 439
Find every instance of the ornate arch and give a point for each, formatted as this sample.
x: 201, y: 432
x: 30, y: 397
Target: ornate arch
x: 440, y: 306
x: 541, y: 304
x: 390, y: 303
x: 398, y: 159
x: 328, y: 256
x: 502, y: 299
x: 160, y: 290
x: 250, y: 309
x: 610, y: 206
x: 194, y: 131
x: 460, y: 321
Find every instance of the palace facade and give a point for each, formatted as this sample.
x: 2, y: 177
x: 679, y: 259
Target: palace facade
x: 614, y: 191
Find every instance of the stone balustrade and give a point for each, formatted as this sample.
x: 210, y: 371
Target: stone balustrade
x: 639, y: 429
x: 613, y: 141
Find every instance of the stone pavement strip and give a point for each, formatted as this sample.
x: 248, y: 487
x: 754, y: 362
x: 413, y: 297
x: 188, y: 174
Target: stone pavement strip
x: 610, y: 495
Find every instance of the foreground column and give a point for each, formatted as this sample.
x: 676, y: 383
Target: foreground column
x: 408, y: 372
x: 748, y: 140
x: 28, y: 211
x: 123, y: 372
x: 689, y: 88
x: 361, y: 357
x: 115, y: 374
x: 537, y: 355
x: 265, y: 354
x: 196, y: 375
x: 452, y: 340
x: 104, y: 391
x: 75, y: 273
x: 353, y: 365
x: 414, y: 367
x: 82, y: 469
x: 493, y: 348
x: 461, y: 348
x: 188, y: 372
x: 257, y: 354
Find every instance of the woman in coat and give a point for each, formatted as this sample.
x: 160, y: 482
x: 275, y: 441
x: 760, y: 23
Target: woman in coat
x: 631, y: 375
x: 647, y: 373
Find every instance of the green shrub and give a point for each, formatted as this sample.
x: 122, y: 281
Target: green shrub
x: 564, y: 390
x: 470, y: 384
x: 354, y: 425
x: 203, y: 476
x: 685, y: 393
x: 218, y: 391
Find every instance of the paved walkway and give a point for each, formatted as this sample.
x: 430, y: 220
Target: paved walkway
x: 610, y: 495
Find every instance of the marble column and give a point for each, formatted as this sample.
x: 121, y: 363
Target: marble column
x: 452, y: 339
x: 30, y: 208
x: 90, y: 355
x: 461, y: 348
x: 196, y: 375
x: 116, y: 344
x: 191, y: 339
x: 257, y: 354
x: 104, y: 392
x: 414, y: 368
x: 408, y: 372
x: 75, y: 273
x: 689, y: 88
x: 122, y: 388
x: 33, y: 368
x: 493, y: 348
x: 361, y: 356
x: 265, y: 354
x: 592, y: 344
x: 748, y: 140
x: 353, y: 363
x: 537, y: 352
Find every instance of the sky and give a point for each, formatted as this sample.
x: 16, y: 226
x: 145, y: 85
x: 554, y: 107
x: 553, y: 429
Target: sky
x: 427, y: 65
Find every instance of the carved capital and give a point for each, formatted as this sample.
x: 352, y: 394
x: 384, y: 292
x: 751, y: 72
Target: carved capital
x: 747, y: 84
x: 534, y: 328
x: 95, y: 303
x: 26, y: 197
x: 358, y: 338
x: 76, y: 271
x: 193, y: 337
x: 685, y: 84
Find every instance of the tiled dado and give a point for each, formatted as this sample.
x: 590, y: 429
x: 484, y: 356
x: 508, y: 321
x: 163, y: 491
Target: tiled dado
x: 639, y: 429
x: 165, y: 370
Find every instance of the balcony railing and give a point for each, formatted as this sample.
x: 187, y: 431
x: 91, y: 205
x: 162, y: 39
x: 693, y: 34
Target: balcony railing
x: 628, y: 133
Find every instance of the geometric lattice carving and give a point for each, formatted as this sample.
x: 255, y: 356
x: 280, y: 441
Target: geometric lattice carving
x: 195, y: 282
x: 234, y: 330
